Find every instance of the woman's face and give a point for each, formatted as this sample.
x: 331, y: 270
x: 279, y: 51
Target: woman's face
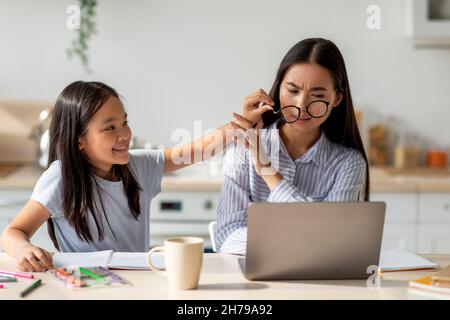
x: 107, y: 138
x: 302, y: 84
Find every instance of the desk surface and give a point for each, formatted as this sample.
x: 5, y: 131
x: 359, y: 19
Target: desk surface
x: 221, y: 278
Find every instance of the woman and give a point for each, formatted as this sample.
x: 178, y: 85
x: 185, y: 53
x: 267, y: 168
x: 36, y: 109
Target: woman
x: 310, y: 141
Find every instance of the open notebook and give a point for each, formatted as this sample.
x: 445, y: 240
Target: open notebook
x: 403, y: 260
x: 107, y: 258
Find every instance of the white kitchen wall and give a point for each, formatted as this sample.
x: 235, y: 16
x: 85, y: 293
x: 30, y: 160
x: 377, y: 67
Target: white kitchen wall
x: 180, y: 61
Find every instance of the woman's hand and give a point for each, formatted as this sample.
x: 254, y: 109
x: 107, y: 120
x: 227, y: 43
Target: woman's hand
x: 33, y: 259
x: 251, y: 141
x: 251, y: 107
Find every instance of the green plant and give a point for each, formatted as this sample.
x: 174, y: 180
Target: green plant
x: 80, y: 44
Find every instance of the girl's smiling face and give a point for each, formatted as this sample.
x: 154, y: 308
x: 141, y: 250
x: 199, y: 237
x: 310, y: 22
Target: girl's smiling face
x: 107, y: 138
x: 303, y: 83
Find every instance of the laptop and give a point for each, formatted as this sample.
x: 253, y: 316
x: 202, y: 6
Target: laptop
x: 313, y: 240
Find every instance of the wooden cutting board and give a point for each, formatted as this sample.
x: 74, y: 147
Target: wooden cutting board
x: 6, y: 169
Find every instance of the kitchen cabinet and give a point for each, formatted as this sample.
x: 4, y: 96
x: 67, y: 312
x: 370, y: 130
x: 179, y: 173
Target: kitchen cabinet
x: 401, y: 207
x: 418, y: 221
x: 401, y: 236
x: 434, y: 208
x: 434, y: 238
x: 11, y: 202
x: 400, y: 229
x: 434, y: 222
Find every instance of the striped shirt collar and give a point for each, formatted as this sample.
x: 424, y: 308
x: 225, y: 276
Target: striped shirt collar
x: 317, y: 153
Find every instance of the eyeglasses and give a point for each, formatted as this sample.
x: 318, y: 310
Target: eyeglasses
x: 315, y: 109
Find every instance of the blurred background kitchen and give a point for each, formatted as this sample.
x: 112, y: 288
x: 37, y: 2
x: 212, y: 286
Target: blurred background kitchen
x: 179, y: 64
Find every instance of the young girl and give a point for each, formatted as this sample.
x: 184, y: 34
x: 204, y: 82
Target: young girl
x: 310, y: 143
x: 96, y: 193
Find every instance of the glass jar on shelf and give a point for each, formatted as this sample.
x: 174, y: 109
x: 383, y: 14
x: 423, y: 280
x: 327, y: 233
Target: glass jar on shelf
x: 378, y: 144
x: 407, y: 152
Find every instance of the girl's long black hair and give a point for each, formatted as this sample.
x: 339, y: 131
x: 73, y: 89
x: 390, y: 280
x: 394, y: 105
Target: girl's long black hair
x: 341, y: 126
x: 74, y: 108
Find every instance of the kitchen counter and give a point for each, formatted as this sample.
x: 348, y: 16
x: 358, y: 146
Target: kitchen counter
x: 200, y: 178
x: 196, y: 179
x: 419, y: 180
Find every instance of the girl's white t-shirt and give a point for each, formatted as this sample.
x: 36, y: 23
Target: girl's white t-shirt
x: 122, y: 232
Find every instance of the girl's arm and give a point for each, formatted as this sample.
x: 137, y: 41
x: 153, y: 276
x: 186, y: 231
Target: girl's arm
x: 216, y: 141
x: 202, y: 149
x: 15, y: 239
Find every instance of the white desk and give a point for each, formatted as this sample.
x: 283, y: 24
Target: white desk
x: 221, y: 278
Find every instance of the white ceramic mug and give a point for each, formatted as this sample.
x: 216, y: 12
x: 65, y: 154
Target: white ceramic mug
x: 183, y: 259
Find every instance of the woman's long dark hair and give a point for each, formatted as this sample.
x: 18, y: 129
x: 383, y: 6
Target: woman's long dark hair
x: 74, y: 108
x: 341, y: 126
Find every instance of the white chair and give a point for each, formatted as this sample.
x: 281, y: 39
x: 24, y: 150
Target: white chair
x: 212, y: 227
